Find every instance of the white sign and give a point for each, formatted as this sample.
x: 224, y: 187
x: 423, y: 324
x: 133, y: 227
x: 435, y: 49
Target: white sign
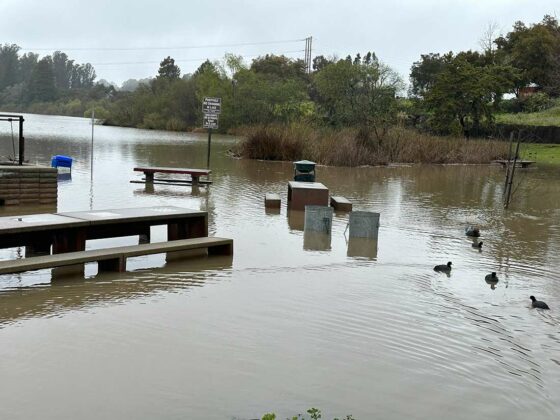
x: 212, y: 105
x: 210, y: 121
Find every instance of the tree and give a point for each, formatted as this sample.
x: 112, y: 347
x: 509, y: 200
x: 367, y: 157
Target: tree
x: 83, y: 76
x: 42, y: 86
x: 279, y: 66
x: 320, y: 62
x: 8, y: 65
x: 425, y: 72
x: 535, y: 50
x: 27, y: 63
x: 463, y: 95
x: 353, y: 93
x: 168, y: 70
x: 62, y: 68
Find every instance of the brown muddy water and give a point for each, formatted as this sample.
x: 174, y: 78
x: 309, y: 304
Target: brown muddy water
x: 289, y: 324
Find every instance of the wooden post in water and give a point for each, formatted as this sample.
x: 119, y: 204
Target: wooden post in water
x: 21, y: 141
x: 209, y: 141
x: 91, y: 153
x: 510, y: 184
x: 508, y: 161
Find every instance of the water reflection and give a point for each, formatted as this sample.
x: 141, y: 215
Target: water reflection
x: 296, y: 219
x: 316, y: 241
x: 75, y: 293
x: 362, y: 247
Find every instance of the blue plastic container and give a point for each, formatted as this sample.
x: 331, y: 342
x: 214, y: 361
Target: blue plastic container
x: 61, y: 161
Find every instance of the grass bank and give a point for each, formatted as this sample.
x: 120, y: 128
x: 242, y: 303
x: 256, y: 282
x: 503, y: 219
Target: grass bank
x: 548, y: 117
x: 346, y: 147
x: 541, y: 153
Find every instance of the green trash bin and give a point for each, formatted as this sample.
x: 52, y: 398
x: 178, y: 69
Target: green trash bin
x: 304, y: 171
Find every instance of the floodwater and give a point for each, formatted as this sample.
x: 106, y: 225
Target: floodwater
x: 290, y: 322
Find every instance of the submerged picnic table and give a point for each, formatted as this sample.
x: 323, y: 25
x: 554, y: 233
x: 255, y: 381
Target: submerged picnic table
x: 68, y: 232
x: 195, y: 174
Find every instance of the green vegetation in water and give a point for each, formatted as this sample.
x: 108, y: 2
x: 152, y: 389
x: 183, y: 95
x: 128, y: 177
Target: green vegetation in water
x: 541, y: 153
x: 355, y: 147
x: 547, y: 117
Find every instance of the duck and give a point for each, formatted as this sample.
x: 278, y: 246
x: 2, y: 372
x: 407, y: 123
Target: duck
x: 477, y: 245
x: 472, y: 231
x: 443, y: 268
x: 491, y: 278
x: 538, y: 303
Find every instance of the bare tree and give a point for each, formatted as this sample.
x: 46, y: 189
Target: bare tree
x: 486, y: 41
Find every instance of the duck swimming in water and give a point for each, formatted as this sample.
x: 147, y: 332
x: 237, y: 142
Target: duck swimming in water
x: 472, y: 231
x: 443, y: 268
x: 491, y: 277
x: 538, y: 303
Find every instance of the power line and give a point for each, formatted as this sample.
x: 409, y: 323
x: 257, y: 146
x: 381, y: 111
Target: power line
x: 183, y: 60
x: 240, y: 44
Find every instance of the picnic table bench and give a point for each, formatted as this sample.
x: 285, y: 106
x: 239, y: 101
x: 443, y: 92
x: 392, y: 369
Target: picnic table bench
x: 195, y: 174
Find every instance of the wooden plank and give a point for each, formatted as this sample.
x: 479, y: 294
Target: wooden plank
x: 168, y: 170
x: 222, y: 245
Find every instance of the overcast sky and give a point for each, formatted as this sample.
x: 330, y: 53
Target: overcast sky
x: 398, y: 31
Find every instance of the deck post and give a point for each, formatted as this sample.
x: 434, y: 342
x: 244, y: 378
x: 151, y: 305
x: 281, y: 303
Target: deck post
x: 115, y: 264
x: 221, y: 250
x: 69, y: 241
x: 149, y: 177
x: 145, y: 236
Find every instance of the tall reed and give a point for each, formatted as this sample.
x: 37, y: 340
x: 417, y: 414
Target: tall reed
x: 346, y: 147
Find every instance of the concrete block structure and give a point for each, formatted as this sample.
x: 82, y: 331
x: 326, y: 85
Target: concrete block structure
x: 28, y: 185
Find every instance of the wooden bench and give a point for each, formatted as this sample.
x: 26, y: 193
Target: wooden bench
x: 114, y: 259
x: 341, y: 203
x: 195, y: 175
x: 272, y: 201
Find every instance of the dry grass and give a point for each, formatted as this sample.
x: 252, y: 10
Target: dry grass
x: 343, y: 147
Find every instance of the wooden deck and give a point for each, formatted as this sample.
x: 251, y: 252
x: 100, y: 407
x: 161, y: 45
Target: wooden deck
x: 522, y: 163
x: 114, y: 259
x: 195, y: 174
x: 68, y: 232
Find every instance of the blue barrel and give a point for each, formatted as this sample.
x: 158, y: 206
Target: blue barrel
x: 62, y: 161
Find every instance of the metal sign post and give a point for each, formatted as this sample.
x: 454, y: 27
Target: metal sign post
x: 211, y: 107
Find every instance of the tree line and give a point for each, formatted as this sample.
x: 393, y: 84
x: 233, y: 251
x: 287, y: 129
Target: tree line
x: 30, y: 83
x: 462, y: 92
x: 452, y: 93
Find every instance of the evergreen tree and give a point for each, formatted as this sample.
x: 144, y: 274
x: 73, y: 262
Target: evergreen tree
x: 42, y: 86
x: 168, y: 69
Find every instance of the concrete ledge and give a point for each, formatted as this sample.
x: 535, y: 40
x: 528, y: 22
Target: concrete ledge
x: 341, y: 203
x: 272, y: 201
x: 114, y: 259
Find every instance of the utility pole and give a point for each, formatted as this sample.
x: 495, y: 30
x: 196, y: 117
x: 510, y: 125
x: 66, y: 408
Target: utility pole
x: 307, y: 60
